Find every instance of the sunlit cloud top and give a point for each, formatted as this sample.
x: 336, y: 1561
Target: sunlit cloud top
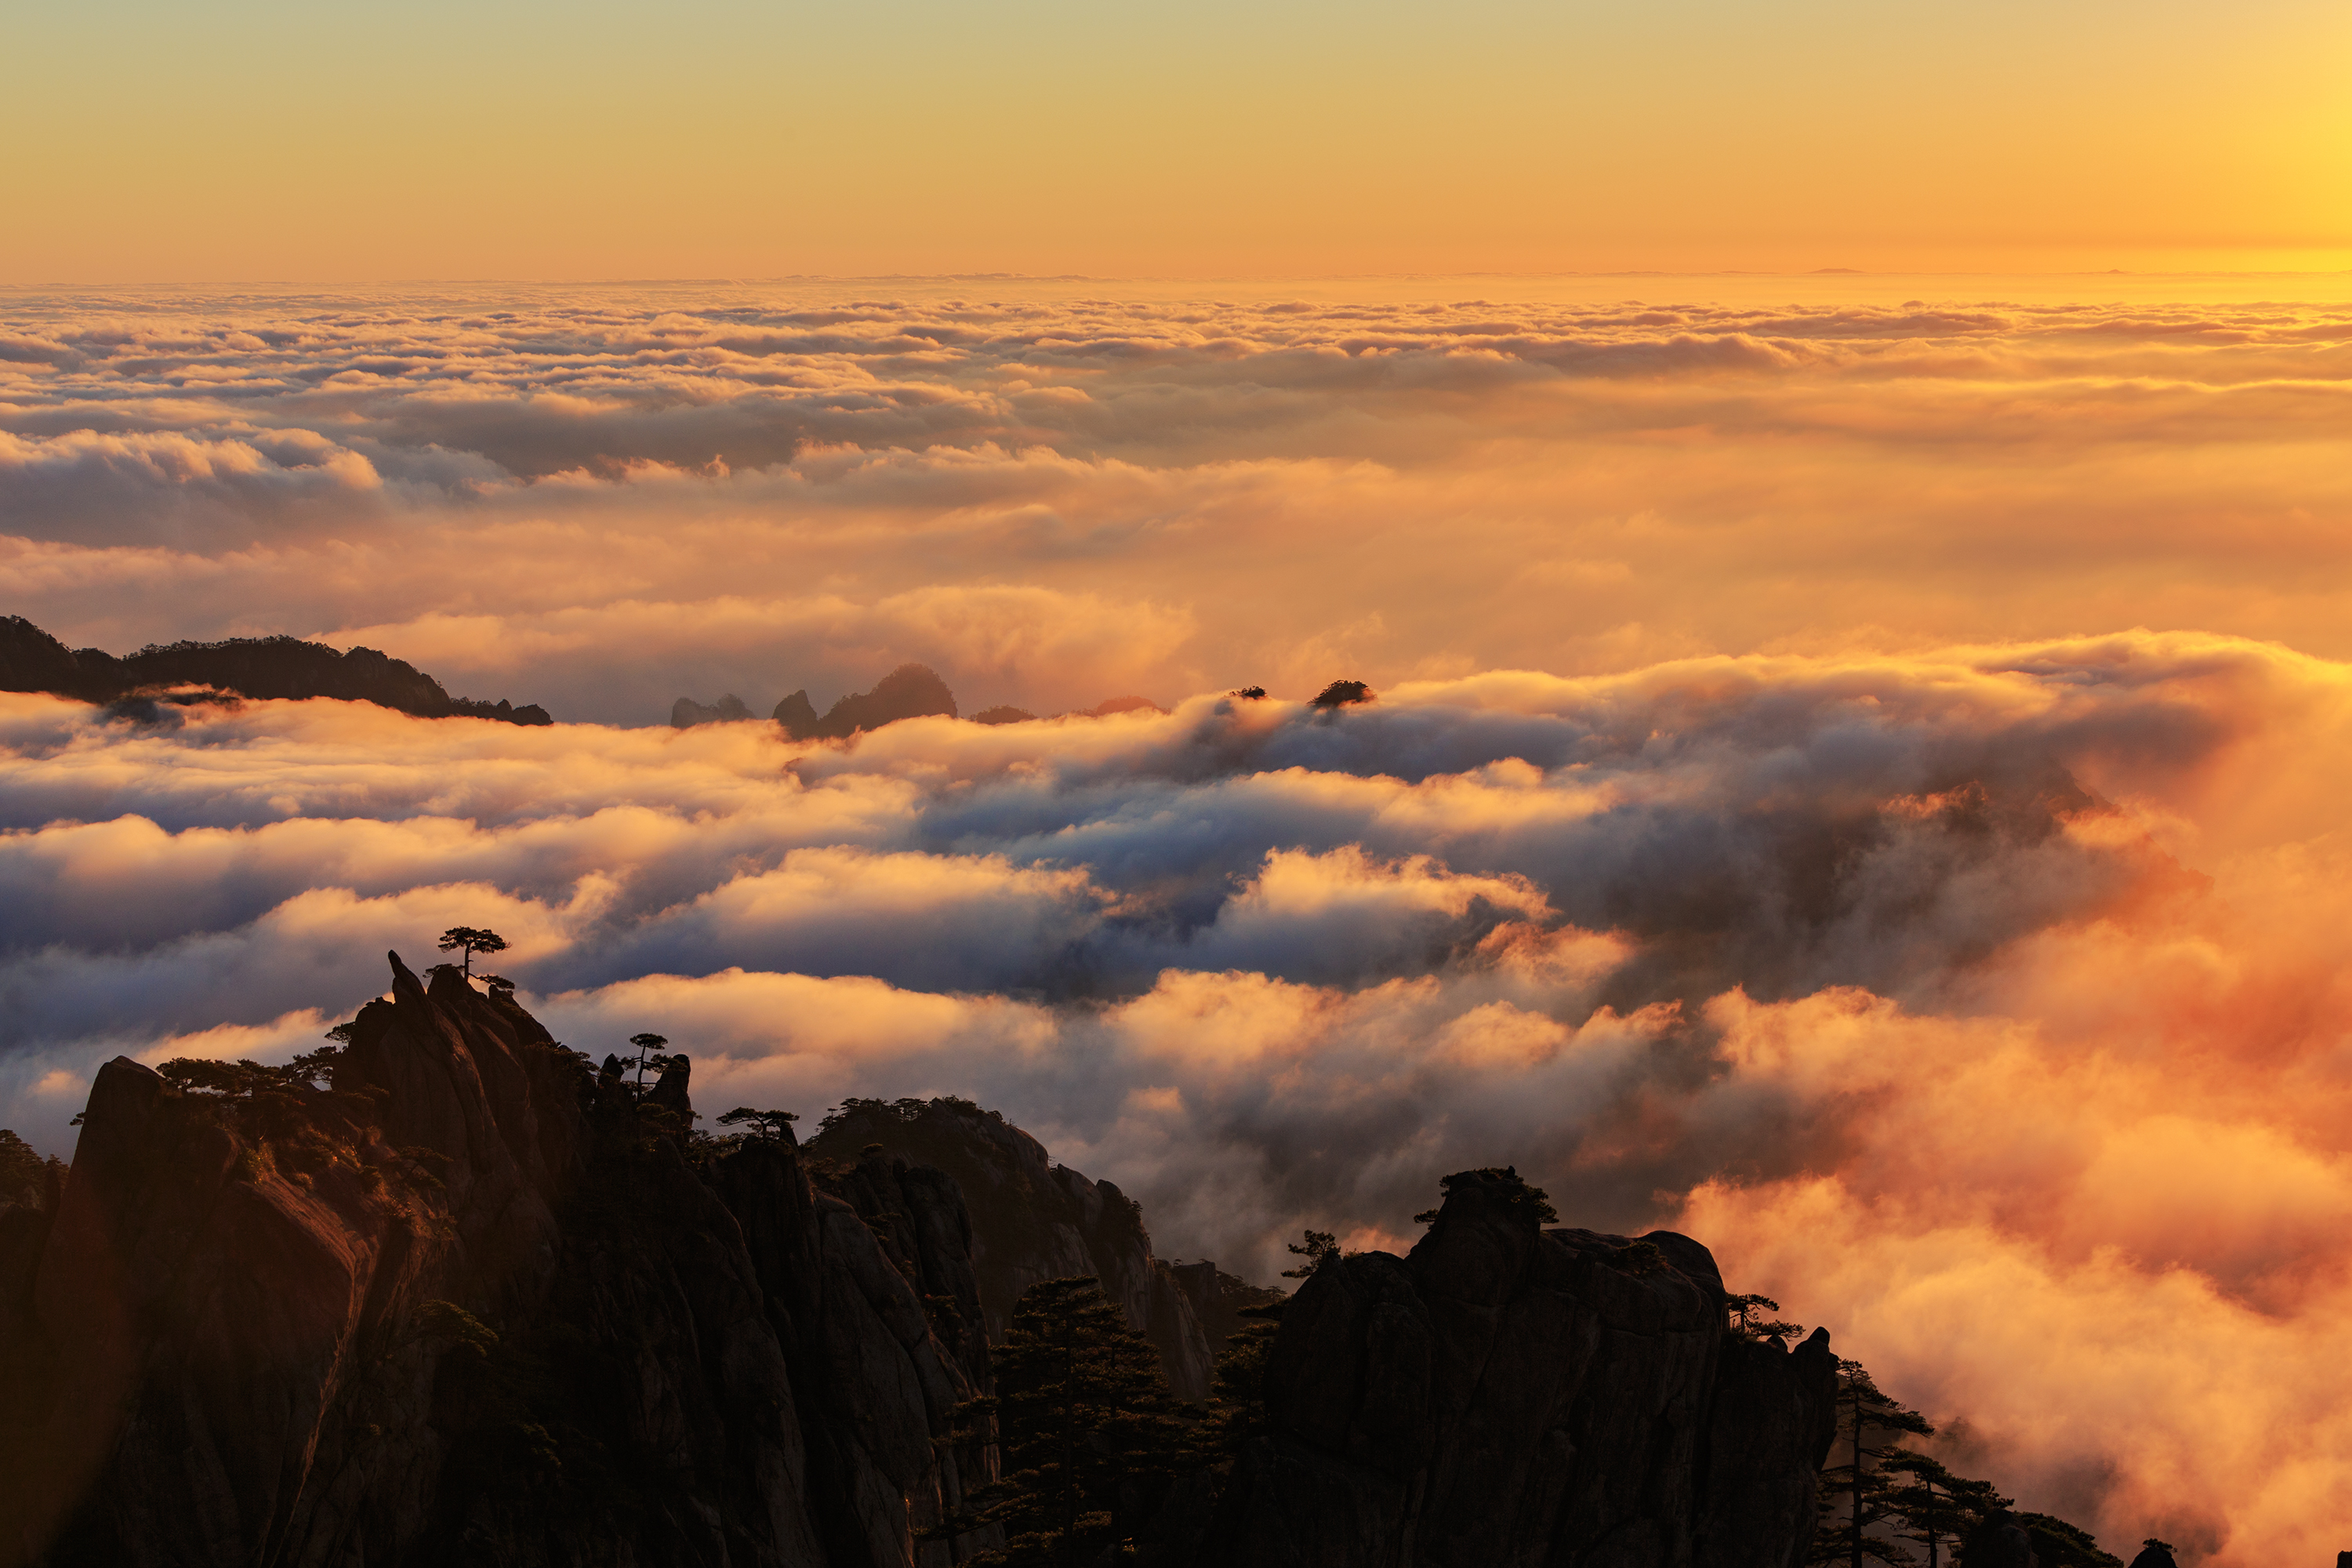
x: 603, y: 500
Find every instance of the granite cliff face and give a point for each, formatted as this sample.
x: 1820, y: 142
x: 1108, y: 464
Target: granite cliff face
x: 1505, y: 1395
x: 1033, y: 1220
x: 470, y: 1305
x: 479, y: 1303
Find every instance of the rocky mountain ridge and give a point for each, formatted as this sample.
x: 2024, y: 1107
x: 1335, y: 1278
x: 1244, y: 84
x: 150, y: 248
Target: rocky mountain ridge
x: 1034, y: 1221
x: 477, y: 1300
x: 1509, y: 1394
x: 262, y: 668
x: 909, y: 691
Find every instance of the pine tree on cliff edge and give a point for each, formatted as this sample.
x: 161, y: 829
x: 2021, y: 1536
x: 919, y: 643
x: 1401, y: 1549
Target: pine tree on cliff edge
x: 1939, y: 1507
x: 471, y: 940
x: 1870, y: 1423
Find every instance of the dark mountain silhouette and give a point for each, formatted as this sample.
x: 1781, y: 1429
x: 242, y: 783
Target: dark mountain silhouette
x: 1219, y: 1300
x: 1342, y: 694
x: 479, y: 1303
x: 1033, y: 1220
x: 909, y: 691
x: 1111, y: 705
x: 263, y: 669
x: 1007, y: 714
x: 1509, y: 1393
x: 797, y: 714
x: 686, y: 712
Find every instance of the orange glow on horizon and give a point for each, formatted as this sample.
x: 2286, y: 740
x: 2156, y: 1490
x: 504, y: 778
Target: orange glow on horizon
x: 722, y: 140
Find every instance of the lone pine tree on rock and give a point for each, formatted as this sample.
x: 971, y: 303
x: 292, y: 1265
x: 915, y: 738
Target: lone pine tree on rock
x: 1318, y: 1247
x: 1750, y: 1322
x: 471, y: 940
x: 1940, y: 1509
x: 762, y: 1123
x: 649, y: 1054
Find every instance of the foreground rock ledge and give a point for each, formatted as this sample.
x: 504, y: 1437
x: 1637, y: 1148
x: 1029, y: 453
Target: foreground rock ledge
x: 1505, y: 1394
x: 474, y: 1305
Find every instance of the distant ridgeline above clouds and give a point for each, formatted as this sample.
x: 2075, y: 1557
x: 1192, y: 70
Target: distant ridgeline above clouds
x: 909, y: 691
x: 257, y: 667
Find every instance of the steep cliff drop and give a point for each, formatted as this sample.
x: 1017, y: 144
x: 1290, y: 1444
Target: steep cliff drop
x: 1510, y: 1395
x: 470, y: 1305
x: 1032, y: 1220
x: 478, y: 1301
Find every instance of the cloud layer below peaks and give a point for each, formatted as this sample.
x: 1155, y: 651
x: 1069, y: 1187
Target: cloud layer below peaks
x: 603, y: 499
x: 1982, y: 1003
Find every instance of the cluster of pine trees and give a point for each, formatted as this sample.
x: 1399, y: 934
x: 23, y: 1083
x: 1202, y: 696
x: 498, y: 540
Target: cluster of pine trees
x: 1885, y: 1502
x: 1091, y: 1439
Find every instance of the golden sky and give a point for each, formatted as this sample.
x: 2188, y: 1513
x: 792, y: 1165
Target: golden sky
x: 252, y: 139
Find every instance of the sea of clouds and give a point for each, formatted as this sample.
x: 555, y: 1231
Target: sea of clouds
x: 603, y: 500
x: 1762, y: 829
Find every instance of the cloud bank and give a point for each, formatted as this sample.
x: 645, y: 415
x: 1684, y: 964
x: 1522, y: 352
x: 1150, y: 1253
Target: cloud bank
x: 1982, y: 1003
x: 602, y: 499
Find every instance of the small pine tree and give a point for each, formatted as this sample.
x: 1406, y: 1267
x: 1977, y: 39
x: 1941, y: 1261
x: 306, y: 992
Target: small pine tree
x: 471, y: 940
x: 2058, y: 1544
x: 649, y: 1054
x: 1857, y: 1506
x: 1940, y: 1509
x: 1750, y: 1322
x: 1088, y: 1432
x: 1318, y: 1247
x: 1503, y: 1184
x: 23, y: 1172
x: 762, y: 1123
x: 1237, y: 1401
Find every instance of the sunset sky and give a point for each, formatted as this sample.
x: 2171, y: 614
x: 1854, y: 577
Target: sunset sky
x: 239, y: 140
x: 1858, y: 766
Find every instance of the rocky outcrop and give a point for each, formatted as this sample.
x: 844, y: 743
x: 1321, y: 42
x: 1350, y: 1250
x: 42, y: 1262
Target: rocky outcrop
x: 909, y: 691
x: 1505, y: 1394
x: 1219, y: 1300
x: 472, y: 1304
x: 262, y: 668
x: 1032, y: 1220
x: 478, y: 1303
x: 686, y: 712
x: 798, y: 715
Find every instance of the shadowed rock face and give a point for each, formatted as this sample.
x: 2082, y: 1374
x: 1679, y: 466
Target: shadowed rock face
x: 1510, y: 1395
x: 264, y: 668
x: 798, y: 715
x: 1219, y: 1300
x: 1032, y: 1221
x: 236, y: 1344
